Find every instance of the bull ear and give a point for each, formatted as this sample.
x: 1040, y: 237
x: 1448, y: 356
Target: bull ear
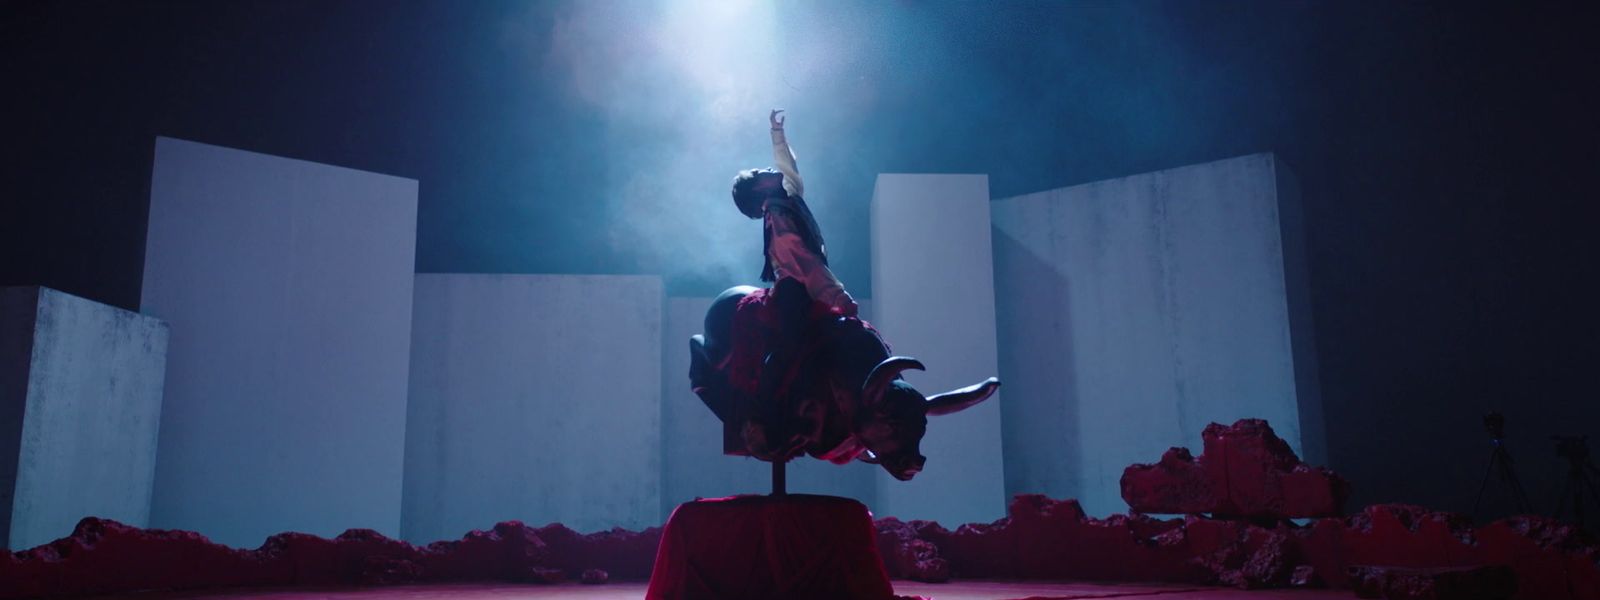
x: 878, y: 380
x: 962, y: 399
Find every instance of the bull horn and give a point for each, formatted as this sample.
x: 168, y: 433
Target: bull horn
x: 962, y: 399
x: 878, y: 380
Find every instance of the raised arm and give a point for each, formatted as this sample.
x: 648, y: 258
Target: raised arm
x: 783, y: 156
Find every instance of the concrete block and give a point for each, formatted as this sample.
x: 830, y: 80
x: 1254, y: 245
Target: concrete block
x: 535, y: 398
x: 288, y: 288
x: 1135, y: 311
x: 933, y: 290
x: 80, y: 403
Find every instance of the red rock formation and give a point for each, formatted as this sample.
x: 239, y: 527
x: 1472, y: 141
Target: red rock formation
x: 1246, y: 471
x: 103, y: 556
x: 508, y: 552
x: 1048, y: 539
x: 905, y: 556
x: 1040, y: 539
x: 622, y: 554
x: 1468, y: 583
x: 1043, y: 538
x: 1551, y: 560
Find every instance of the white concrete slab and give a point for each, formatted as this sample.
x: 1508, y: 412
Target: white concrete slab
x: 80, y: 404
x: 934, y: 297
x: 1135, y: 311
x: 288, y: 287
x: 534, y: 397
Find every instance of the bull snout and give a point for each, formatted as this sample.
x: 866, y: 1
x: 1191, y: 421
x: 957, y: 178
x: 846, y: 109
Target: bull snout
x: 906, y: 468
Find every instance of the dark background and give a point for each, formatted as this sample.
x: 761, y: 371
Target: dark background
x: 1447, y: 154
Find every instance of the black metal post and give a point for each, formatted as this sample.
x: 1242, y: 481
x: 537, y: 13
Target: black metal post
x: 780, y: 484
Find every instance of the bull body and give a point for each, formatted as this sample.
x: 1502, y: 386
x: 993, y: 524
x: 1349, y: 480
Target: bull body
x: 842, y: 400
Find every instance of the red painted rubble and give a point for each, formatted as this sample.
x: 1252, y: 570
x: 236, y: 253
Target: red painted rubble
x: 1245, y: 471
x: 907, y: 556
x: 1039, y: 539
x: 103, y: 556
x: 1395, y: 550
x: 1461, y: 583
x: 1251, y: 483
x: 1042, y: 538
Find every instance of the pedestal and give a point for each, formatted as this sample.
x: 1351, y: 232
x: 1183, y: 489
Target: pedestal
x: 772, y: 547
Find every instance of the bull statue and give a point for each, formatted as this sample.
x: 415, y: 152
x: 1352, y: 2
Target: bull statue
x: 843, y: 399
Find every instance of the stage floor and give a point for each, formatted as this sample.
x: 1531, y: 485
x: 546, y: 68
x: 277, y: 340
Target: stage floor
x: 962, y: 590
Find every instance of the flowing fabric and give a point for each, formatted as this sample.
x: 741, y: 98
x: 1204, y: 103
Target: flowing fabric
x: 756, y: 320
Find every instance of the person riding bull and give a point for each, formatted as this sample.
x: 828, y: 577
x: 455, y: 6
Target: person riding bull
x: 791, y: 369
x: 805, y: 295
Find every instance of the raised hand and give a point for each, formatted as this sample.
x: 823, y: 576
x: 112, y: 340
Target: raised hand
x: 777, y: 119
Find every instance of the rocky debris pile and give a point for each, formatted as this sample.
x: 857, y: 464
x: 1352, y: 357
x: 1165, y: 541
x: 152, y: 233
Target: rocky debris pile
x: 1247, y: 480
x: 1245, y: 471
x: 906, y: 555
x: 103, y: 556
x: 1461, y: 583
x: 1042, y: 538
x: 1251, y: 484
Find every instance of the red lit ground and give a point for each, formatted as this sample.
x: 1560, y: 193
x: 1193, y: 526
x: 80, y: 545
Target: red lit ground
x: 960, y: 590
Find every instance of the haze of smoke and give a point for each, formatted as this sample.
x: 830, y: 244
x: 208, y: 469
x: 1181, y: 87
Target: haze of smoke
x: 677, y: 96
x: 682, y: 114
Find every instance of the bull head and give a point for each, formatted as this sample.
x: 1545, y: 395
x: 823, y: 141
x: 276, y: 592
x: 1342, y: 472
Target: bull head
x: 893, y: 416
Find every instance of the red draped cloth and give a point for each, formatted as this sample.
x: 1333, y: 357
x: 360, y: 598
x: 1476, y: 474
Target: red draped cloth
x: 755, y: 321
x: 797, y: 547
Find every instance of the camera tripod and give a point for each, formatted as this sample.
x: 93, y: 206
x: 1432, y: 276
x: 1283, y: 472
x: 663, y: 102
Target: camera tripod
x: 1500, y: 462
x: 1581, y: 478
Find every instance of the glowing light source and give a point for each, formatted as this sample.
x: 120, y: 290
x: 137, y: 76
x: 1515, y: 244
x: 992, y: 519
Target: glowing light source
x: 728, y: 50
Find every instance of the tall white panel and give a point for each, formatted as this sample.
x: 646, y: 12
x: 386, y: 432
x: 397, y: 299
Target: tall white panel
x: 288, y: 288
x: 1135, y: 311
x: 534, y: 397
x: 80, y: 402
x: 934, y: 298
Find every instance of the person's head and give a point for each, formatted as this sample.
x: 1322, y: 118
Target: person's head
x: 752, y: 188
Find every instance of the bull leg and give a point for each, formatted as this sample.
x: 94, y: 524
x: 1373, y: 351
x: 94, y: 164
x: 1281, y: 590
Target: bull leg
x: 783, y: 377
x: 702, y: 379
x: 790, y: 302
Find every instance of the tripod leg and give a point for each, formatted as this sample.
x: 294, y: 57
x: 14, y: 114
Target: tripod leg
x: 1519, y: 495
x: 1485, y: 485
x: 1594, y: 492
x: 1577, y: 504
x: 1561, y: 502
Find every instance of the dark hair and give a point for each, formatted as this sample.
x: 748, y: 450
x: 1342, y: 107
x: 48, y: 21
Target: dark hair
x: 751, y: 190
